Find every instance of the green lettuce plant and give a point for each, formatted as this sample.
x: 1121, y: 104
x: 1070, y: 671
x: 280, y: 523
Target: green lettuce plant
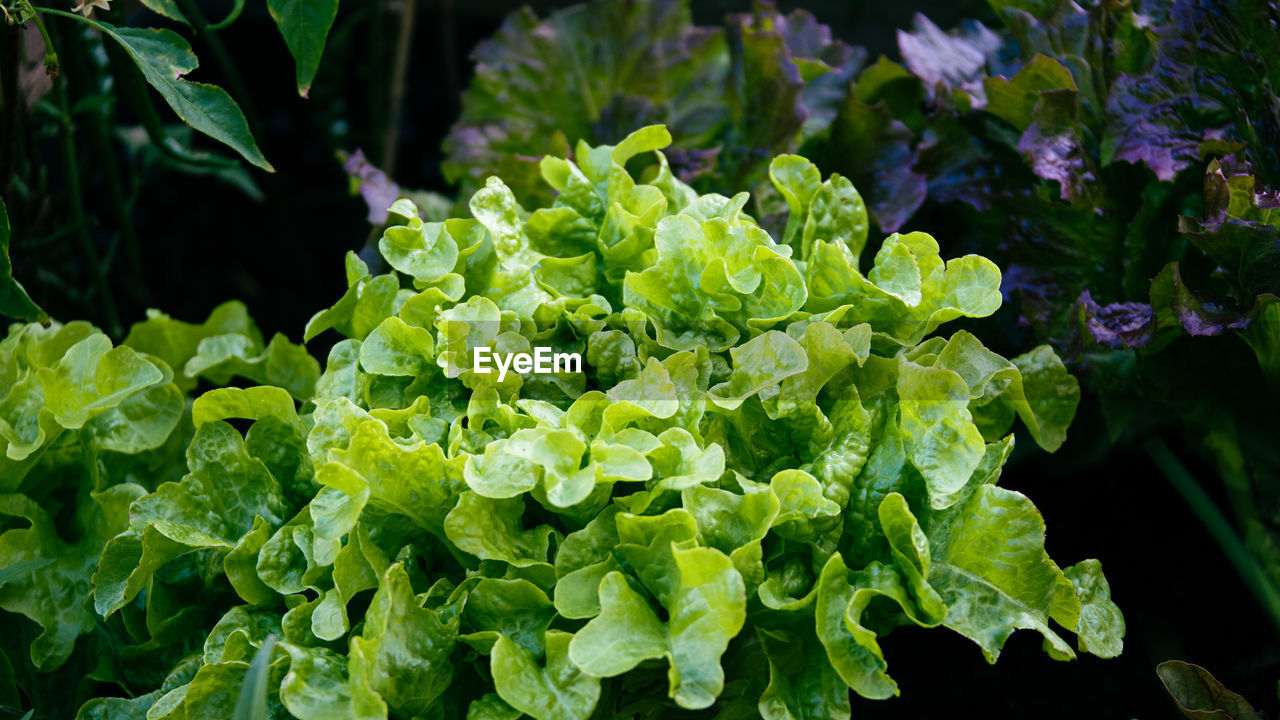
x: 768, y: 463
x: 1118, y: 159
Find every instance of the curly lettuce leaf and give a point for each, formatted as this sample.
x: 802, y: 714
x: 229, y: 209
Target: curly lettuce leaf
x: 706, y: 607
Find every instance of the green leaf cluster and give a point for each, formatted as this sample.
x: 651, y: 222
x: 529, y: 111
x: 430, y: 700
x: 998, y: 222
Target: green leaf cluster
x: 769, y: 462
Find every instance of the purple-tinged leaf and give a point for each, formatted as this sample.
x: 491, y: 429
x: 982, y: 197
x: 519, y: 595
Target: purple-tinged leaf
x: 1197, y: 316
x: 1124, y: 324
x: 955, y: 59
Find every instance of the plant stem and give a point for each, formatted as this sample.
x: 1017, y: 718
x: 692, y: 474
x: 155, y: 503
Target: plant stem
x: 12, y: 119
x: 449, y: 48
x: 377, y: 67
x: 230, y: 18
x: 1218, y: 526
x: 395, y: 93
x: 87, y: 249
x: 85, y: 78
x: 50, y: 55
x: 1235, y: 479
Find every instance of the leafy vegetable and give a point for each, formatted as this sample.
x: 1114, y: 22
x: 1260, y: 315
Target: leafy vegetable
x: 769, y: 461
x: 732, y: 97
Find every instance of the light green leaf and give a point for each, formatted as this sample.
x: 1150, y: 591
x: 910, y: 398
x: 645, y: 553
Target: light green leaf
x: 415, y: 480
x: 937, y: 429
x: 837, y: 213
x: 760, y: 363
x: 251, y: 403
x: 803, y: 509
x: 990, y: 568
x: 910, y: 549
x: 114, y: 708
x: 143, y: 421
x: 176, y: 342
x: 405, y: 648
x: 241, y: 565
x: 1101, y: 626
x: 214, y: 506
x: 239, y: 634
x: 1052, y: 395
x: 557, y: 691
x: 1035, y: 385
x: 55, y: 590
x: 706, y: 607
x: 128, y: 561
x: 827, y: 352
x: 582, y: 561
x: 735, y: 524
x: 394, y: 348
x: 424, y: 251
x: 852, y: 650
x: 316, y: 688
x: 492, y: 707
x: 367, y: 302
x: 221, y: 357
x: 516, y: 610
x: 93, y: 376
x: 493, y: 530
x: 543, y: 456
x: 797, y: 180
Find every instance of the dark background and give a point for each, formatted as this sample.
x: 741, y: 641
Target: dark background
x: 204, y: 242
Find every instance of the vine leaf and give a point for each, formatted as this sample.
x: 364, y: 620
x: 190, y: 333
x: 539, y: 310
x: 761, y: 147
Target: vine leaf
x: 166, y: 8
x: 14, y: 300
x: 305, y: 25
x: 164, y: 57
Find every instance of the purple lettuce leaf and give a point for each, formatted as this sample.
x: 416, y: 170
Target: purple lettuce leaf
x: 1169, y: 294
x: 1209, y: 88
x: 1118, y: 325
x: 958, y: 59
x: 1239, y: 230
